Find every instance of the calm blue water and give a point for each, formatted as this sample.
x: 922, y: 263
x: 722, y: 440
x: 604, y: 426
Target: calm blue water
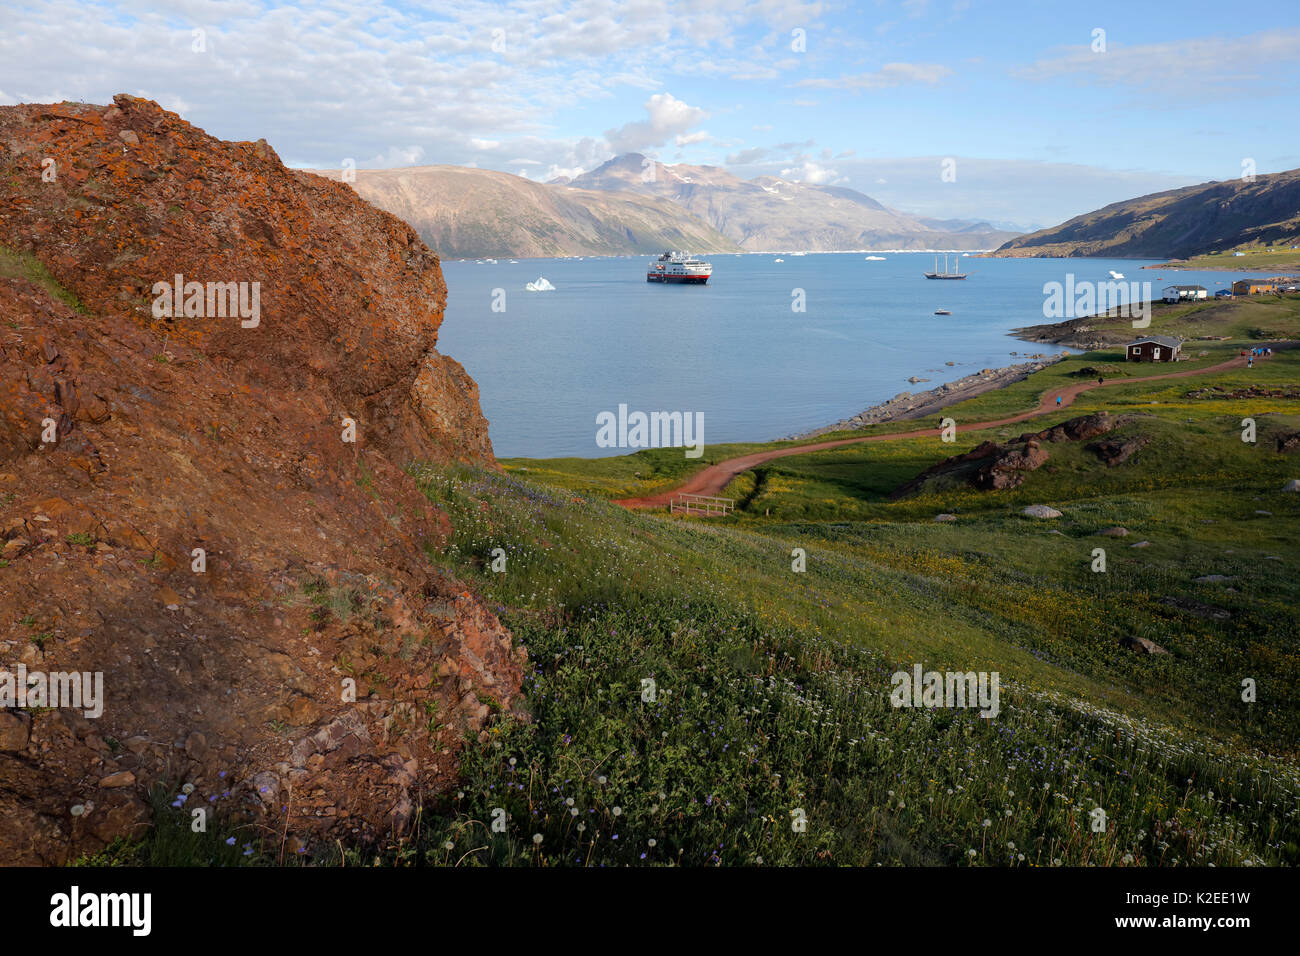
x: 733, y: 349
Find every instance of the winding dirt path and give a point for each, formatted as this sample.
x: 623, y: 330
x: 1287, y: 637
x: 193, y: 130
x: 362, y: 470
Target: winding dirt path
x: 713, y: 479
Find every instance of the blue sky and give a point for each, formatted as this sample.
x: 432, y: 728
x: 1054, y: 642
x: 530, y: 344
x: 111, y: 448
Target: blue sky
x: 1042, y: 121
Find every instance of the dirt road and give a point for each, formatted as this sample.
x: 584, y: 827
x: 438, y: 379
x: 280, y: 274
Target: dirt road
x: 713, y: 479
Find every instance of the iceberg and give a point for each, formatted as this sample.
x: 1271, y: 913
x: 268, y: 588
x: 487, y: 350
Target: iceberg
x: 541, y: 285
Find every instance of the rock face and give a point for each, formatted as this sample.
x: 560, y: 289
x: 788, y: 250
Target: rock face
x: 179, y: 509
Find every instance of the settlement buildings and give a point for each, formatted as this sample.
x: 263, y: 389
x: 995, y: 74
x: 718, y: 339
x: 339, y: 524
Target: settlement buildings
x: 1274, y: 284
x: 1180, y: 293
x: 1153, y: 348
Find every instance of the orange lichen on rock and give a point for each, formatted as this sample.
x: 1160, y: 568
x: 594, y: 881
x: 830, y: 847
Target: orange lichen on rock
x: 181, y: 435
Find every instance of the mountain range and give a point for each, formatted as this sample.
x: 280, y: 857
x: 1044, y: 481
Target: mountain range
x: 1191, y: 221
x: 636, y: 205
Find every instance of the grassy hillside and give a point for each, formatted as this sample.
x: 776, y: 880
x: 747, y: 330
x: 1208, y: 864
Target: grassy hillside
x: 778, y: 681
x: 771, y: 686
x: 1281, y: 259
x: 1253, y: 320
x: 1186, y: 222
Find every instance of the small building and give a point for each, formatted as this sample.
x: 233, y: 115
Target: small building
x: 1181, y: 293
x: 1153, y: 348
x: 1254, y: 286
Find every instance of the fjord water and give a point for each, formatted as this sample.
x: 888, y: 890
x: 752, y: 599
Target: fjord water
x: 734, y: 349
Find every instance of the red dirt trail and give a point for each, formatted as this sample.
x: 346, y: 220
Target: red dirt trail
x: 712, y: 480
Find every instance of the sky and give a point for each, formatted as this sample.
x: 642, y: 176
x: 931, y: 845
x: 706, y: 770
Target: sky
x: 1037, y: 111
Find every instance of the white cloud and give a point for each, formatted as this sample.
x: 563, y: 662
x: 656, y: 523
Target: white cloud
x: 394, y: 157
x: 569, y: 172
x: 335, y: 78
x: 889, y: 75
x: 746, y: 156
x: 1205, y: 67
x: 686, y: 139
x: 667, y: 117
x: 812, y: 173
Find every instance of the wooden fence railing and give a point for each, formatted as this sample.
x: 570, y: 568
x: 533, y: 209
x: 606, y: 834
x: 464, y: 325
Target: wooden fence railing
x: 706, y: 505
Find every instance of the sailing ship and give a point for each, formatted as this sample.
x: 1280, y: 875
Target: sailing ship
x: 945, y: 274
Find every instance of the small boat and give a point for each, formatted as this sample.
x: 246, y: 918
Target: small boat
x: 942, y: 312
x: 945, y: 274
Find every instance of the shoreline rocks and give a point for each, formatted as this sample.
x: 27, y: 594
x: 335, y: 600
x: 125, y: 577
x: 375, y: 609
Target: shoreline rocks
x: 908, y: 405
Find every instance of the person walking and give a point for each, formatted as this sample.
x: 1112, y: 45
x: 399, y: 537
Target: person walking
x: 1058, y: 399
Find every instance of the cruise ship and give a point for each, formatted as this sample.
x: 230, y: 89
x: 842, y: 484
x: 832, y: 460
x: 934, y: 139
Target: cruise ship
x: 679, y: 267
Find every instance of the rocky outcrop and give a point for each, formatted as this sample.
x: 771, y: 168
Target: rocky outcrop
x: 445, y: 400
x: 1226, y: 393
x: 1076, y: 429
x: 992, y: 466
x: 989, y: 466
x: 1116, y: 451
x: 1141, y: 645
x: 181, y: 508
x: 1287, y: 443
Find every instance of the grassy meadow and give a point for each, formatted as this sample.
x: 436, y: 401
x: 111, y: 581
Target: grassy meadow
x: 1281, y: 258
x: 772, y: 686
x: 692, y: 699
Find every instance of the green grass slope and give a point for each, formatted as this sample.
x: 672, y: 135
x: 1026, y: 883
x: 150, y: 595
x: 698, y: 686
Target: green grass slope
x: 692, y: 699
x: 1191, y: 221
